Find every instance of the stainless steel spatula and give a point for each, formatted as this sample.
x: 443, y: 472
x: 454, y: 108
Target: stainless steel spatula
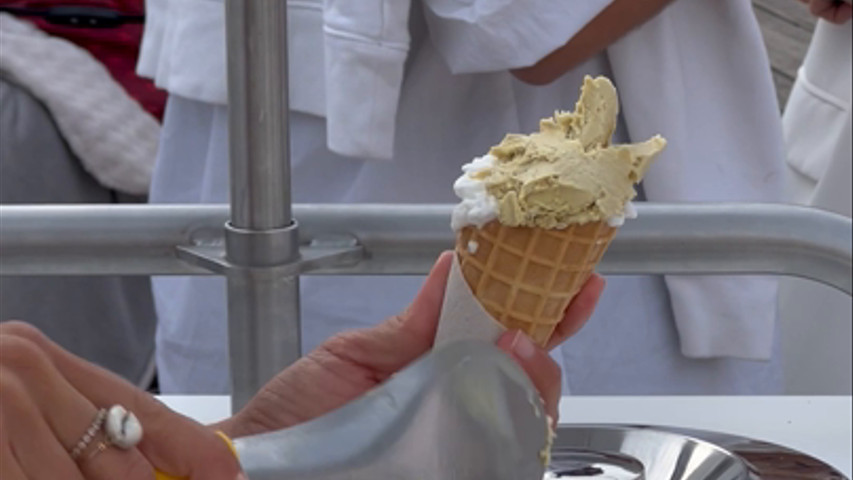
x: 465, y: 412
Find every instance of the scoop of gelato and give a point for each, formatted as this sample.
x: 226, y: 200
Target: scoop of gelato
x: 568, y: 172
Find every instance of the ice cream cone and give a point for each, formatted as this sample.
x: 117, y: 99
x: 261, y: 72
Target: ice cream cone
x: 538, y: 211
x: 525, y: 277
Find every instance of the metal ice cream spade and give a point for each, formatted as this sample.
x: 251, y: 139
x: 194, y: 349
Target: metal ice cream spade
x: 464, y: 412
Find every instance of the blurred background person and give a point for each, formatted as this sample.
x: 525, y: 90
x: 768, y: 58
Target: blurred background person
x: 818, y: 138
x: 388, y: 101
x: 78, y: 126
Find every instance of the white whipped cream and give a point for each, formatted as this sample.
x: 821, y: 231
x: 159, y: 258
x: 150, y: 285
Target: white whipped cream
x: 477, y: 206
x: 630, y: 212
x: 473, y: 247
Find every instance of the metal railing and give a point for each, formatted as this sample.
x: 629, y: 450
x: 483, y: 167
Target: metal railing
x: 405, y: 240
x: 258, y: 247
x: 383, y: 239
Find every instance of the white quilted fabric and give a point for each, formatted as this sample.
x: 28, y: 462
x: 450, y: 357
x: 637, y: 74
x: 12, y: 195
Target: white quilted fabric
x: 114, y: 137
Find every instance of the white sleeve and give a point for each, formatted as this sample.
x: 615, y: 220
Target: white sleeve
x: 477, y: 36
x: 366, y: 46
x: 154, y: 31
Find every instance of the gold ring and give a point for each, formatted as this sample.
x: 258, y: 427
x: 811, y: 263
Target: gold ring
x: 99, y: 448
x: 89, y: 434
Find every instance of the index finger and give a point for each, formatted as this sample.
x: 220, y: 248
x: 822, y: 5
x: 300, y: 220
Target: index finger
x: 172, y: 443
x: 579, y: 311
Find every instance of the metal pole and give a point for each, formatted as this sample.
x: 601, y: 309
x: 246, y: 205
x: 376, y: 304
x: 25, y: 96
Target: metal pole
x: 257, y: 109
x: 405, y: 240
x: 263, y: 304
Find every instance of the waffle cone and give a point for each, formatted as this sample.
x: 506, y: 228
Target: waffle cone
x: 526, y: 277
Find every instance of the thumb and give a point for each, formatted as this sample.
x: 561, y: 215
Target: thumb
x: 421, y: 317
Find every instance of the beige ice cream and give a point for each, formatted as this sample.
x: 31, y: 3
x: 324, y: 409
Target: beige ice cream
x: 539, y: 211
x: 567, y: 173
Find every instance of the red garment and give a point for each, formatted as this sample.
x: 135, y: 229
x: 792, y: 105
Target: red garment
x: 116, y: 48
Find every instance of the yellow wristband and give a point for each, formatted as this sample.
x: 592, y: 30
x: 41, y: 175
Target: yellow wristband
x: 162, y: 476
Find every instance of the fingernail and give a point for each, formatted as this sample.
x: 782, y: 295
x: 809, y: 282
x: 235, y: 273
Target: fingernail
x: 522, y: 346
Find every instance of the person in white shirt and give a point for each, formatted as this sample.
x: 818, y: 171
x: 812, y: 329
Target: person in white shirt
x: 389, y: 99
x: 815, y: 319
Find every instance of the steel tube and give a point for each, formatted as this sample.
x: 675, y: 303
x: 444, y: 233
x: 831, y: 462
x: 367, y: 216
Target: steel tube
x: 263, y: 304
x: 257, y: 114
x: 688, y: 239
x: 105, y: 240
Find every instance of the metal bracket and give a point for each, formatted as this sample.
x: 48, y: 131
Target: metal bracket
x: 325, y: 252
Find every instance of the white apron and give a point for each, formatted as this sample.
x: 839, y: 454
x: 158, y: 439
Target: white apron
x: 635, y: 344
x: 818, y: 137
